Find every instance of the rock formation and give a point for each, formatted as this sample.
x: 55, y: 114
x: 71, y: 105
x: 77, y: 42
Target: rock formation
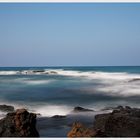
x: 6, y: 108
x: 122, y: 122
x: 79, y: 130
x: 20, y: 123
x: 81, y: 109
x: 58, y: 116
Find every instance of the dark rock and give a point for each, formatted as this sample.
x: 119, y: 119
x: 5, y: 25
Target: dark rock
x: 119, y: 107
x: 36, y: 71
x: 107, y: 108
x: 134, y: 80
x: 100, y: 121
x: 6, y: 108
x: 20, y: 123
x: 127, y: 107
x: 81, y: 109
x: 38, y: 114
x: 122, y: 122
x: 58, y: 116
x: 53, y: 72
x: 112, y: 108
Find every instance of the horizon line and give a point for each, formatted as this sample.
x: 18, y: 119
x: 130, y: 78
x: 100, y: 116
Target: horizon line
x: 76, y: 66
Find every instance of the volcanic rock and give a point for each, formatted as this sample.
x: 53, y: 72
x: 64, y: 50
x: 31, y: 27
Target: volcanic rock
x: 20, y: 123
x: 6, y: 108
x: 123, y: 122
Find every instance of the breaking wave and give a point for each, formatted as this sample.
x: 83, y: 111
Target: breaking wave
x: 111, y: 83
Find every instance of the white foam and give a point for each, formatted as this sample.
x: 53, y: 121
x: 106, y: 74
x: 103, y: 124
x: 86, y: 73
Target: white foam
x: 37, y: 82
x: 99, y: 75
x: 51, y: 110
x: 2, y: 114
x: 112, y: 83
x: 8, y: 72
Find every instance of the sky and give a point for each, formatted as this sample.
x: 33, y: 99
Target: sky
x: 69, y: 34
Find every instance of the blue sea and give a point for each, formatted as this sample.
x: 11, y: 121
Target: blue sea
x: 57, y: 90
x: 50, y: 91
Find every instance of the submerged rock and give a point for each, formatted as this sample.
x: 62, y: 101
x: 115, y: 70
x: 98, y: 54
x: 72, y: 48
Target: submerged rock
x: 51, y: 72
x: 20, y: 123
x: 38, y: 71
x: 58, y: 116
x: 134, y: 80
x: 6, y: 108
x: 81, y: 109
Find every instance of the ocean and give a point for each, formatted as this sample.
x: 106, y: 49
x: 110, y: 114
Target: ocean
x: 57, y: 90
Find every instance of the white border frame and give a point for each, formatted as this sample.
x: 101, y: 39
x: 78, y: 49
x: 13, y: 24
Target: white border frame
x: 69, y: 1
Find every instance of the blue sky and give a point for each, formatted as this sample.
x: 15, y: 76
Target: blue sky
x: 69, y: 34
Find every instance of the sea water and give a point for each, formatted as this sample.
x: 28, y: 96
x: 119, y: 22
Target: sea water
x: 57, y: 90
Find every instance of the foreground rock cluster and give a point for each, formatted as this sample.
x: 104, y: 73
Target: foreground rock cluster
x: 20, y: 123
x: 122, y: 122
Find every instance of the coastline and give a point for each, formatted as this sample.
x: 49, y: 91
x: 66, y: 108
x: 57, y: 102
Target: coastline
x: 91, y: 122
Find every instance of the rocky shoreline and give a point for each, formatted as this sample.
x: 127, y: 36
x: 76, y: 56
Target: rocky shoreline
x: 81, y: 122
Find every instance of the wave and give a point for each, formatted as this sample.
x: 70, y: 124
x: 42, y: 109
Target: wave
x: 73, y: 73
x: 45, y: 110
x: 37, y: 82
x: 110, y: 83
x: 9, y: 72
x: 51, y: 110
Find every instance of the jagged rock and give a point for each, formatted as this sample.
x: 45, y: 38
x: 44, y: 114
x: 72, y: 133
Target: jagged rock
x: 112, y: 108
x: 58, y: 116
x: 123, y: 122
x: 6, y: 108
x: 79, y: 130
x: 20, y: 123
x: 81, y: 109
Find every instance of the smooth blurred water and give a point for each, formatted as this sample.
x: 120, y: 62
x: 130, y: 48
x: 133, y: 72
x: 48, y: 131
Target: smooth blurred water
x: 58, y: 93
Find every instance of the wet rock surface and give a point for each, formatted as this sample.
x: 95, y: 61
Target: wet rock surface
x: 121, y: 122
x: 20, y: 123
x: 58, y: 116
x: 81, y: 109
x: 6, y: 108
